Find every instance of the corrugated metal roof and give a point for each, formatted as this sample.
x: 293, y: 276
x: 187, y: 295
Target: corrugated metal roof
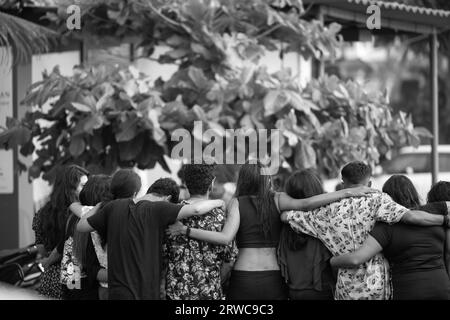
x: 392, y: 5
x: 395, y: 15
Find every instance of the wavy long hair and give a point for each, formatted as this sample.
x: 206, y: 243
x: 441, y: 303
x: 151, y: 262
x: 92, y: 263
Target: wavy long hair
x: 300, y: 185
x: 96, y: 190
x: 401, y: 189
x: 55, y: 212
x: 252, y: 182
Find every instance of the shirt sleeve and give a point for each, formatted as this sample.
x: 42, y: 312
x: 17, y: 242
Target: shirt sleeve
x: 167, y: 212
x: 99, y: 221
x: 388, y: 210
x: 382, y: 232
x: 439, y: 208
x: 307, y: 221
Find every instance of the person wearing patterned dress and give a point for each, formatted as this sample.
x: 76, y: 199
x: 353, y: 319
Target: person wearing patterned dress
x: 194, y: 267
x: 343, y: 226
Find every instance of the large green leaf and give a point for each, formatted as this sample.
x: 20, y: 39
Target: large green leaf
x: 77, y: 146
x: 128, y: 129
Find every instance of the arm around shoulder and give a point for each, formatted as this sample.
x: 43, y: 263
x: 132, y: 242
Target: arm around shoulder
x: 353, y: 259
x: 228, y: 233
x: 422, y: 218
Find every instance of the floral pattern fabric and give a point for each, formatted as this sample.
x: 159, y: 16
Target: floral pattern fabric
x: 343, y: 227
x: 194, y: 267
x: 50, y: 285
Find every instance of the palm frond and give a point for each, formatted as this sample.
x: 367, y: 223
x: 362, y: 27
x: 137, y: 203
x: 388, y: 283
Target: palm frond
x: 25, y: 38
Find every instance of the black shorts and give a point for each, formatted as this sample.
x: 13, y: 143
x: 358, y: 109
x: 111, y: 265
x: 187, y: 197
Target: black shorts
x: 257, y: 285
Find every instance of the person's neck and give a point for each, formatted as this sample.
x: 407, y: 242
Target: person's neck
x: 198, y: 197
x: 346, y: 186
x: 147, y: 196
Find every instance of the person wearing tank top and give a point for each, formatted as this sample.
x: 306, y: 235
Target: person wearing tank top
x: 253, y: 219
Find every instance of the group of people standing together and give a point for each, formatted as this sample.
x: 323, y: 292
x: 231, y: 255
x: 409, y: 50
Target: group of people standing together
x: 103, y: 242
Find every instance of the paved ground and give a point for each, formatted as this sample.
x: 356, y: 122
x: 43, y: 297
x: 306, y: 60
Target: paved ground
x: 9, y: 292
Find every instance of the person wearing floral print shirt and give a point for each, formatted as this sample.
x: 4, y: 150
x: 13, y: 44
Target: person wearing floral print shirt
x: 194, y: 267
x: 343, y: 227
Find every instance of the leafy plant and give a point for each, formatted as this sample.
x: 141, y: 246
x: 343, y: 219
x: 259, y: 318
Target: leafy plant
x: 105, y: 117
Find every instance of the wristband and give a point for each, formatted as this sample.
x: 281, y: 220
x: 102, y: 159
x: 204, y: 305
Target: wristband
x: 188, y: 232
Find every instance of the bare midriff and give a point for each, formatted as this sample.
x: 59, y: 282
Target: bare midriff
x: 257, y: 259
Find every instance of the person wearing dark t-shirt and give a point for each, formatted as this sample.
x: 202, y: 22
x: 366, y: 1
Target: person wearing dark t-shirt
x: 415, y: 254
x: 134, y: 230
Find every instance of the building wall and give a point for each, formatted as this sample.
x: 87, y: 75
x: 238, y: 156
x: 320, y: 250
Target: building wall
x: 8, y: 180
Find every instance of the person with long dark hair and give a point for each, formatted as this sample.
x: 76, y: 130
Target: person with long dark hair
x: 78, y: 248
x: 254, y: 219
x: 50, y: 221
x: 402, y: 190
x: 415, y: 254
x: 304, y: 260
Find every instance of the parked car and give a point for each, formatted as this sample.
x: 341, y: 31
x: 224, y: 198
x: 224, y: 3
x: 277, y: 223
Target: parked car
x: 412, y: 162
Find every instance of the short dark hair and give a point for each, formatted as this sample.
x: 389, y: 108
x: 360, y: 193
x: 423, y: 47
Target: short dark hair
x: 125, y: 183
x: 355, y: 172
x: 440, y: 191
x: 165, y: 187
x: 198, y: 177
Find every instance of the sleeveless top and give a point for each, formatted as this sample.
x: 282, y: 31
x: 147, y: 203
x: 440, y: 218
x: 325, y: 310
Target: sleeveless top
x: 250, y: 233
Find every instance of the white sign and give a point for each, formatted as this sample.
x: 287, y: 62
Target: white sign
x: 6, y: 110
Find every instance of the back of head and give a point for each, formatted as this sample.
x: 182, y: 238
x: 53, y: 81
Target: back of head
x: 253, y: 182
x: 66, y: 183
x: 301, y: 184
x: 198, y: 178
x: 401, y: 190
x: 165, y: 187
x: 440, y: 191
x: 54, y: 214
x: 355, y: 173
x: 96, y: 190
x: 125, y: 183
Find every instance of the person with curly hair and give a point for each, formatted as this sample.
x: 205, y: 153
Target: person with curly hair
x: 195, y: 267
